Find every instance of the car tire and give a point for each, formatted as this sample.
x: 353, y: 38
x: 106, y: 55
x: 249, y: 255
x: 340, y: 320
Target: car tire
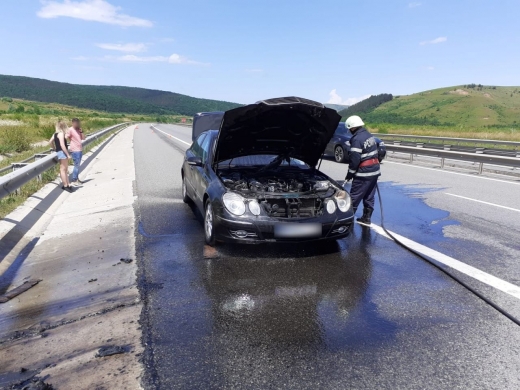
x: 209, y: 224
x: 340, y: 156
x: 185, y: 197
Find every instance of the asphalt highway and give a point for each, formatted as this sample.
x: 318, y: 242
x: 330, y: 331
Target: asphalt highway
x: 361, y: 314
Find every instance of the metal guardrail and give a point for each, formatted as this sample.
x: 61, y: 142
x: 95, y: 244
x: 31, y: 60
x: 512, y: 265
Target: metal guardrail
x: 450, y: 141
x: 480, y: 158
x: 11, y: 182
x: 34, y: 157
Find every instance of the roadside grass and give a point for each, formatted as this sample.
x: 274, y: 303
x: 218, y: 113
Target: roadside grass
x: 26, y: 126
x: 11, y: 202
x: 498, y: 134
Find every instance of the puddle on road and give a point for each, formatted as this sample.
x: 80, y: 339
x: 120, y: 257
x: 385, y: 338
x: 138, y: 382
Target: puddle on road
x: 407, y: 214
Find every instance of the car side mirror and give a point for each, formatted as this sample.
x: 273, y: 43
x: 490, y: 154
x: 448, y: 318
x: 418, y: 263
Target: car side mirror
x: 195, y: 161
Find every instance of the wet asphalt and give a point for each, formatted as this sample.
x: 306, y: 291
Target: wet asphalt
x: 362, y: 313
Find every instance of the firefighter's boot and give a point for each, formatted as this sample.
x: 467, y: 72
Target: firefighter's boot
x: 365, y: 219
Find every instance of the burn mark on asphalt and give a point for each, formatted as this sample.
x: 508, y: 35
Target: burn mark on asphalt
x: 110, y: 350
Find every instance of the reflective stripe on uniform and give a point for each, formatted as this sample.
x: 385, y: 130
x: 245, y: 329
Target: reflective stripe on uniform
x: 378, y: 172
x: 352, y: 170
x: 369, y: 154
x: 356, y: 150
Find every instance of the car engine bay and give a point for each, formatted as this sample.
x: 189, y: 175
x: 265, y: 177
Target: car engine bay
x: 282, y: 194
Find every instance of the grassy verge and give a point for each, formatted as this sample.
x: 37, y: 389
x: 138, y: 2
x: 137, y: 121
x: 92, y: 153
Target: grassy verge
x: 12, y: 201
x: 485, y: 134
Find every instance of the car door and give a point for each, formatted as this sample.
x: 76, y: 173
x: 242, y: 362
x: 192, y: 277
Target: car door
x: 190, y: 172
x: 201, y: 177
x: 333, y: 142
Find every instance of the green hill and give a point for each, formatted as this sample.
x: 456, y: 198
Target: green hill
x: 463, y: 106
x: 107, y: 98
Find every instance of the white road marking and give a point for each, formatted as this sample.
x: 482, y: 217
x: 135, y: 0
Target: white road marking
x: 451, y: 173
x: 481, y: 201
x: 171, y: 136
x: 466, y: 269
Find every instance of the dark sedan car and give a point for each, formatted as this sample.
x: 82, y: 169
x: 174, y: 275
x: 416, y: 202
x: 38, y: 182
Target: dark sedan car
x: 339, y: 145
x: 255, y: 179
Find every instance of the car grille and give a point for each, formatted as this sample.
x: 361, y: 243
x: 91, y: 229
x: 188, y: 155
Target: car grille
x: 290, y: 208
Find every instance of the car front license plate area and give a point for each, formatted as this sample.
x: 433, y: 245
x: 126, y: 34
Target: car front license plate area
x: 297, y: 230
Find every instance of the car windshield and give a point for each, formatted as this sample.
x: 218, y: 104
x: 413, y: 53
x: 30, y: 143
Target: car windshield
x: 260, y: 160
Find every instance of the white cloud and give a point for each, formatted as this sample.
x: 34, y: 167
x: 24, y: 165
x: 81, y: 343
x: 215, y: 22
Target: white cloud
x: 178, y: 59
x: 167, y: 40
x: 125, y: 47
x: 90, y: 10
x: 414, y: 5
x: 434, y: 41
x: 134, y: 58
x: 175, y: 59
x: 334, y: 98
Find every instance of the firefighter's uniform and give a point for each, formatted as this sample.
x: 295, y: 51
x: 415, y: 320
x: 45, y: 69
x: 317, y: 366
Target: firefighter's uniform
x: 363, y: 168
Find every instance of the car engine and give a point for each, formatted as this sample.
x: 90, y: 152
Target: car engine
x: 283, y: 195
x: 295, y: 183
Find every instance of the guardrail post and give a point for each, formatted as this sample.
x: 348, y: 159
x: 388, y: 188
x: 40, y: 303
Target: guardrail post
x: 411, y: 158
x: 15, y: 167
x: 36, y: 158
x: 480, y: 168
x: 442, y: 163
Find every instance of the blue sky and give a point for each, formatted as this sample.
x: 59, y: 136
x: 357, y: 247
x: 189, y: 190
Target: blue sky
x: 244, y: 51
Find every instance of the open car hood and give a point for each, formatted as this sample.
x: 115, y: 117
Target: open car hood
x: 290, y: 126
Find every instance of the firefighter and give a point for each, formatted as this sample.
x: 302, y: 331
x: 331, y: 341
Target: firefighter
x: 363, y: 167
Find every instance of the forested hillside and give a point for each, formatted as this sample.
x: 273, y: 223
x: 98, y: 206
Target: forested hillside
x: 107, y: 98
x: 366, y: 105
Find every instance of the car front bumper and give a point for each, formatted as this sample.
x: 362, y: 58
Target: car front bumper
x: 257, y: 230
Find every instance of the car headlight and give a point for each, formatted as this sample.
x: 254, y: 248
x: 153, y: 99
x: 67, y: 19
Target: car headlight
x: 254, y: 207
x: 234, y: 203
x: 331, y: 206
x: 343, y: 200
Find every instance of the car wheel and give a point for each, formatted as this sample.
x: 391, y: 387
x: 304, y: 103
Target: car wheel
x: 339, y: 154
x: 209, y: 231
x: 185, y: 196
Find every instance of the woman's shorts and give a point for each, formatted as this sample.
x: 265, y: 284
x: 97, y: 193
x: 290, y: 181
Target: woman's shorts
x: 61, y: 155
